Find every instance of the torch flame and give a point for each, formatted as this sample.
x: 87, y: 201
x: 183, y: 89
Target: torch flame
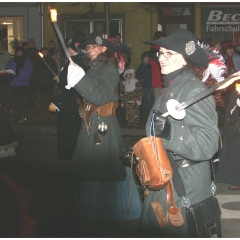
x: 237, y: 87
x: 53, y: 14
x: 40, y: 54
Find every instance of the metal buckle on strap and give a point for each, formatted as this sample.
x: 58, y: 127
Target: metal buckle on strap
x: 181, y: 163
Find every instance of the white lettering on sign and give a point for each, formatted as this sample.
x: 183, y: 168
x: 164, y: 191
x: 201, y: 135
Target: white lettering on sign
x: 217, y: 17
x: 229, y: 28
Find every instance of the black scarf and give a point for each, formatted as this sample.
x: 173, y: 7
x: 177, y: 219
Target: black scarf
x: 168, y: 77
x: 20, y: 62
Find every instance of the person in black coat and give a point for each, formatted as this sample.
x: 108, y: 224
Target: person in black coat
x: 44, y: 77
x: 7, y: 137
x: 228, y: 170
x: 68, y: 118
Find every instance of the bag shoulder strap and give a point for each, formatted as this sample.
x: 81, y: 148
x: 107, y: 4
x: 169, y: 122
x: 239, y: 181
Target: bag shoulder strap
x: 177, y: 181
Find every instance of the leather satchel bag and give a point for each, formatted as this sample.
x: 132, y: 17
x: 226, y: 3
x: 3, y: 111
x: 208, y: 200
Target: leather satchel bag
x: 154, y: 169
x: 155, y: 172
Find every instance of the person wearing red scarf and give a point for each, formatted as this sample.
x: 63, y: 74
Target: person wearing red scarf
x: 157, y: 82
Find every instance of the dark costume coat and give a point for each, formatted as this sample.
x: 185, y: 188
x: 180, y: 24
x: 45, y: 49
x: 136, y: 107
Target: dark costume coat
x: 229, y: 162
x: 99, y: 162
x: 194, y: 138
x: 68, y: 118
x: 104, y: 191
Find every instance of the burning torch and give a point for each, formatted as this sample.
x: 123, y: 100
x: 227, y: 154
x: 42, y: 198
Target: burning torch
x: 53, y: 73
x: 53, y: 14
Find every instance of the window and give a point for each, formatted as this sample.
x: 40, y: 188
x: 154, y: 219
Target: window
x: 11, y: 28
x: 72, y: 27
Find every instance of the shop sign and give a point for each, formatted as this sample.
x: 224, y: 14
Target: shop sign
x: 224, y: 22
x: 176, y: 11
x: 221, y: 23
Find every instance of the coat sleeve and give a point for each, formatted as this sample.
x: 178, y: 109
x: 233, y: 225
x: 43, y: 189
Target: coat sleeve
x: 196, y: 137
x: 102, y: 88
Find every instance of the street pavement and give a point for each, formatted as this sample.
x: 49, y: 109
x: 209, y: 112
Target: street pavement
x: 54, y: 204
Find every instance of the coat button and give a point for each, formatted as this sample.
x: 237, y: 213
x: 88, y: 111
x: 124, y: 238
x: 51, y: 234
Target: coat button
x: 181, y: 138
x: 182, y: 126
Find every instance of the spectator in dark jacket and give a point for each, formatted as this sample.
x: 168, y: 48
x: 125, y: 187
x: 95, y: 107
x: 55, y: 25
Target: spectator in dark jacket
x: 44, y: 77
x: 31, y: 53
x: 22, y: 67
x: 144, y: 75
x: 157, y: 83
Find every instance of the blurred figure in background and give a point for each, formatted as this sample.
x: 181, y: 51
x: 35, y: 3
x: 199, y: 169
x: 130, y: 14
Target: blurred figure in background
x: 43, y: 76
x: 157, y: 83
x: 31, y: 53
x: 131, y: 96
x: 144, y: 75
x: 55, y: 54
x: 23, y: 69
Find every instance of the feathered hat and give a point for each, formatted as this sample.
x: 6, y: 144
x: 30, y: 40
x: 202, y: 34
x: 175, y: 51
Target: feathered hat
x: 185, y: 43
x: 216, y: 65
x: 122, y: 53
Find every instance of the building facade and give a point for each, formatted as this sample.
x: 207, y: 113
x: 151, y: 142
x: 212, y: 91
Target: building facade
x: 136, y: 22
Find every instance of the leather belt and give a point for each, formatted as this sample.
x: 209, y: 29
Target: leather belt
x: 181, y: 163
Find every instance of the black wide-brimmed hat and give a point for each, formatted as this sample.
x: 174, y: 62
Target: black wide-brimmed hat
x: 185, y: 43
x: 19, y: 48
x: 75, y: 43
x: 97, y: 38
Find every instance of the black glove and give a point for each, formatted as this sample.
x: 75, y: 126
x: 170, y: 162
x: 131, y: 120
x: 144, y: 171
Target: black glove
x: 161, y: 126
x: 127, y: 156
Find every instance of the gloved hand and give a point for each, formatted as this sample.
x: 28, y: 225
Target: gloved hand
x: 52, y: 108
x: 127, y: 156
x: 56, y: 78
x: 161, y: 126
x: 75, y: 74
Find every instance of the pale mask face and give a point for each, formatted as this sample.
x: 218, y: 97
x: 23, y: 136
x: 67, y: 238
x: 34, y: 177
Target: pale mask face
x: 95, y: 50
x: 171, y: 64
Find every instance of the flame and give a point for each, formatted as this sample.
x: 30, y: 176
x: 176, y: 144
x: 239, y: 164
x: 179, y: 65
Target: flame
x: 40, y: 54
x: 237, y: 87
x: 53, y: 13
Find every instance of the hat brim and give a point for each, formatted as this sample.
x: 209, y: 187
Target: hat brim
x: 105, y: 43
x: 177, y: 43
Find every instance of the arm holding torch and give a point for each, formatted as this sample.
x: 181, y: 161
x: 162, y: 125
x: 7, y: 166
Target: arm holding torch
x: 75, y: 73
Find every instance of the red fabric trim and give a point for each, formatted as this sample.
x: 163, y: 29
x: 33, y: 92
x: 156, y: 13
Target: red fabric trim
x: 156, y: 74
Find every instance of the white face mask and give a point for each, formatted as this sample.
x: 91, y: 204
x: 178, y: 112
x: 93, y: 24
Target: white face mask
x: 172, y: 63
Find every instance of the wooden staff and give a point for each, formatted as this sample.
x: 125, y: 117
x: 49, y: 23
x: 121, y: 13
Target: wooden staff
x: 53, y: 14
x: 177, y: 110
x: 41, y: 55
